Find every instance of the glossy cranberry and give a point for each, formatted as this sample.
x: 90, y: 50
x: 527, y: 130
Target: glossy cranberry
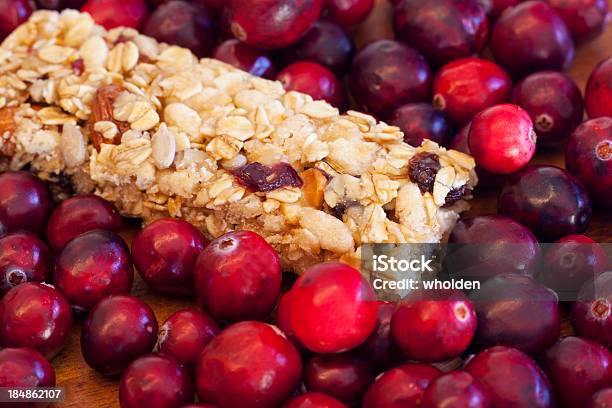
x: 348, y: 12
x: 262, y: 178
x: 155, y: 381
x: 60, y: 4
x: 314, y: 80
x: 165, y: 254
x: 238, y: 277
x: 14, y: 13
x: 490, y: 245
x: 80, y: 214
x: 332, y: 308
x: 313, y: 400
x: 598, y: 93
x: 589, y: 158
x: 230, y: 369
x: 23, y: 258
x: 116, y: 13
x: 601, y: 399
x: 245, y: 57
x: 548, y: 200
x: 464, y: 87
x: 379, y: 347
x: 117, y: 330
x: 271, y: 24
x: 494, y: 8
x: 184, y: 335
x: 3, y: 228
x: 532, y: 37
x: 502, y: 139
x: 25, y: 202
x: 420, y: 121
x: 512, y: 378
x: 282, y: 320
x: 592, y: 312
x: 386, y: 74
x: 92, y: 266
x: 456, y: 389
x: 403, y: 386
x: 184, y: 24
x: 24, y: 367
x: 584, y: 18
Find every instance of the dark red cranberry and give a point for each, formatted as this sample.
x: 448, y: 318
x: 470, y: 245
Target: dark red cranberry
x: 464, y: 87
x: 442, y: 30
x: 247, y: 58
x: 420, y: 121
x: 60, y: 4
x: 165, y: 252
x: 489, y: 245
x: 231, y: 368
x: 592, y: 311
x: 516, y: 311
x: 116, y: 13
x: 512, y: 378
x: 13, y: 13
x: 184, y: 335
x: 532, y: 37
x: 185, y: 24
x: 494, y: 8
x: 24, y: 367
x: 601, y: 399
x: 598, y: 93
x: 238, y: 277
x: 379, y: 347
x: 433, y: 327
x: 348, y: 12
x: 577, y: 368
x: 386, y: 74
x: 403, y: 386
x: 155, y: 381
x: 343, y: 376
x: 37, y: 316
x: 23, y: 258
x: 92, y: 266
x: 589, y: 158
x: 315, y: 80
x: 117, y: 330
x: 259, y: 177
x: 456, y: 389
x: 3, y: 228
x: 313, y: 400
x: 213, y: 5
x: 548, y: 200
x: 584, y: 18
x: 25, y: 202
x: 502, y: 139
x: 198, y: 406
x: 80, y: 214
x: 332, y: 308
x: 326, y: 43
x: 272, y: 23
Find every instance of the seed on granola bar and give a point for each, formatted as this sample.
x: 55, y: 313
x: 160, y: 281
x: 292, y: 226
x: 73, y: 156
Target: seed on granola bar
x: 422, y: 169
x: 259, y: 177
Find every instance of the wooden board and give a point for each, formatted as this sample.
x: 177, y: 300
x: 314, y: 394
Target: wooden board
x: 87, y: 389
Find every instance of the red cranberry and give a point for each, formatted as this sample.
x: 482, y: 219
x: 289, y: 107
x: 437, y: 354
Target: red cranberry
x: 433, y: 327
x: 386, y: 74
x: 420, y: 121
x: 185, y: 24
x: 60, y: 4
x: 184, y: 335
x: 589, y: 158
x: 165, y: 254
x: 502, y: 139
x: 213, y: 5
x: 592, y: 312
x: 259, y: 177
x: 25, y: 202
x: 250, y: 365
x: 115, y: 13
x: 332, y: 308
x: 24, y: 367
x: 238, y: 277
x: 516, y: 311
x: 548, y: 200
x: 3, y: 228
x: 14, y: 13
x: 117, y: 330
x: 490, y: 245
x: 198, y: 406
x: 584, y: 18
x: 36, y: 316
x: 403, y: 386
x: 442, y: 30
x: 379, y: 347
x: 155, y: 381
x: 92, y: 266
x: 80, y: 214
x: 532, y: 37
x: 598, y: 93
x: 577, y: 368
x: 464, y: 87
x: 342, y: 376
x: 553, y: 102
x: 494, y: 8
x: 282, y: 320
x: 314, y: 80
x: 272, y: 23
x: 313, y: 400
x: 456, y: 389
x: 512, y: 378
x: 601, y: 399
x: 348, y: 12
x: 23, y: 258
x: 247, y: 58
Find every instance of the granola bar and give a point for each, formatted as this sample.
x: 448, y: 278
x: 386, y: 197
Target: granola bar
x: 160, y: 133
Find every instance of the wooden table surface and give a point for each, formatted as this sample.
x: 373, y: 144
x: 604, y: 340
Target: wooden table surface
x: 85, y: 388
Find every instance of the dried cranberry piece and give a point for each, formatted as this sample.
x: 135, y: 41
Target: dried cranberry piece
x: 422, y: 170
x: 457, y: 194
x: 78, y: 66
x: 259, y: 177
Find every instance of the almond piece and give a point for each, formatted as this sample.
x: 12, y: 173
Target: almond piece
x: 314, y: 187
x: 102, y: 110
x: 7, y: 124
